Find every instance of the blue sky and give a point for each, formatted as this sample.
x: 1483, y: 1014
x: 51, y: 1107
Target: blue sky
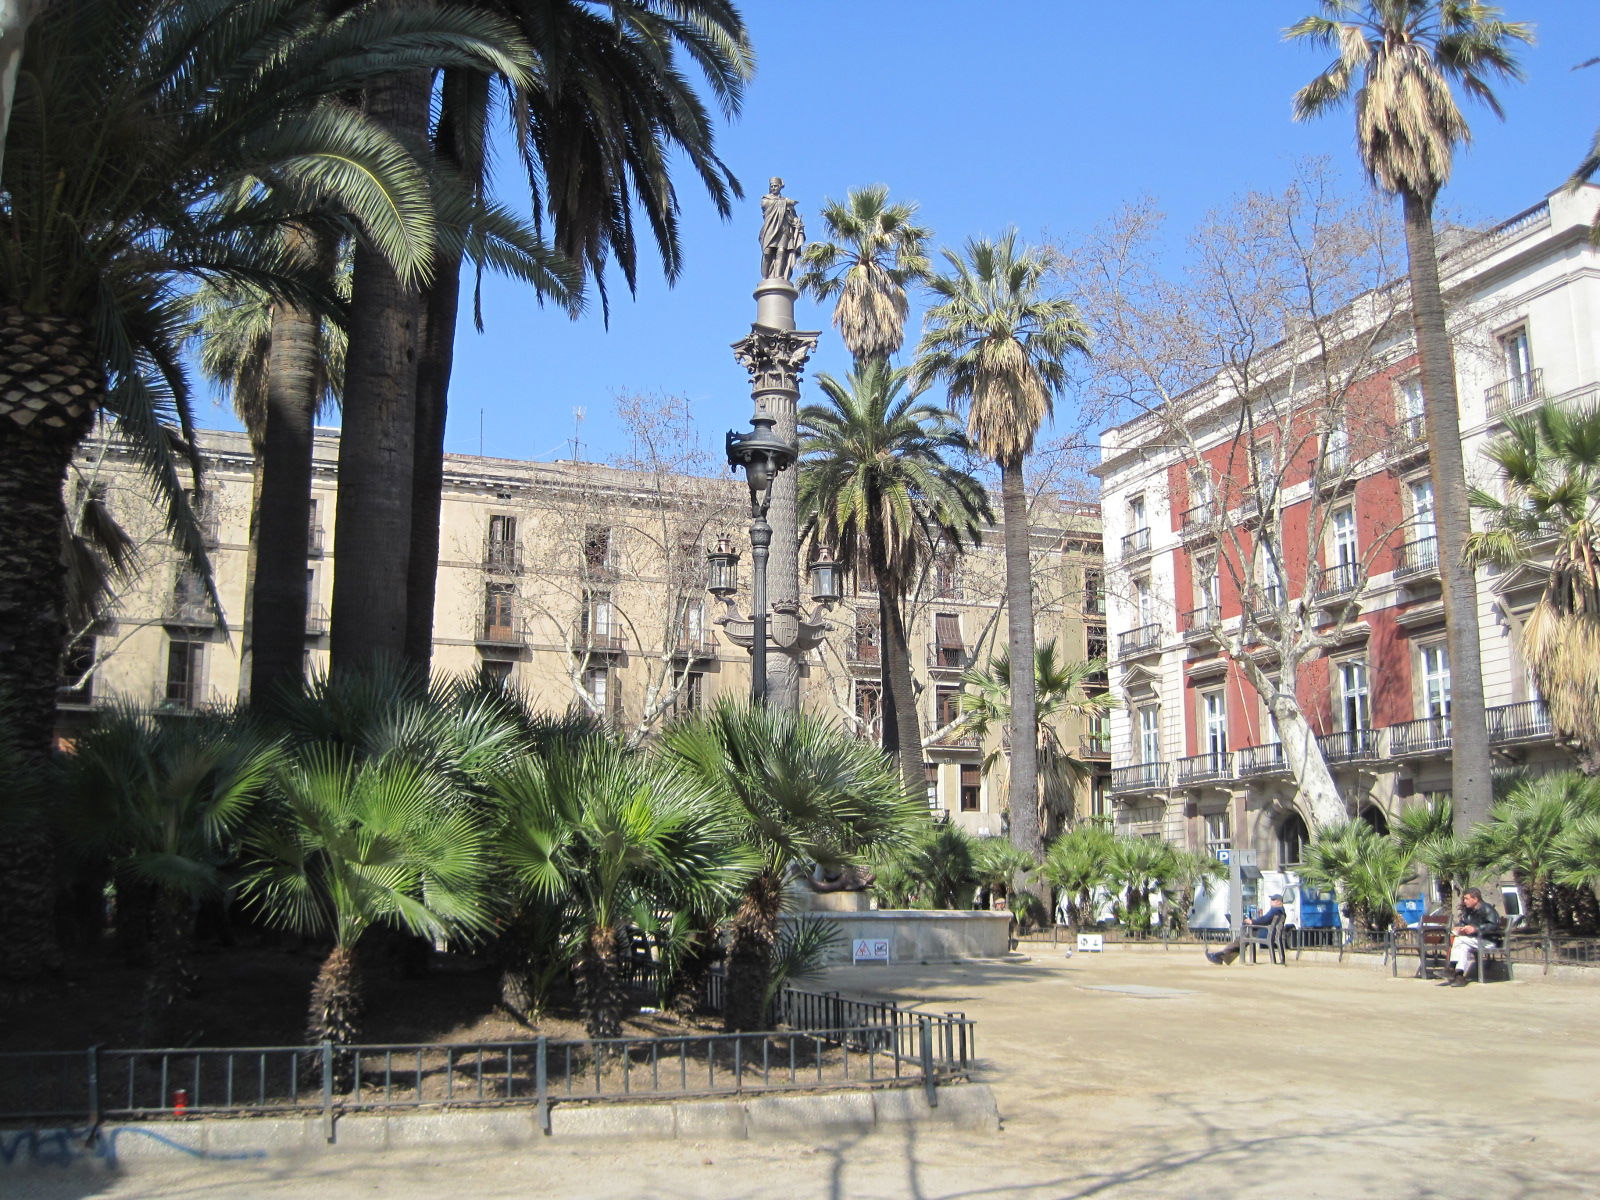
x: 1044, y: 114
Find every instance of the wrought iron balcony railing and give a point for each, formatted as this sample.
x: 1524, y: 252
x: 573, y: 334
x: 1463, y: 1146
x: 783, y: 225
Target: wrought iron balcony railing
x: 1138, y: 641
x: 1427, y: 735
x: 316, y: 620
x: 1141, y: 777
x: 502, y: 558
x: 495, y: 631
x: 1514, y: 392
x: 1137, y: 542
x: 1420, y: 556
x: 1204, y: 768
x: 1526, y: 721
x: 1340, y: 580
x: 1349, y: 745
x: 1198, y: 520
x: 1262, y: 760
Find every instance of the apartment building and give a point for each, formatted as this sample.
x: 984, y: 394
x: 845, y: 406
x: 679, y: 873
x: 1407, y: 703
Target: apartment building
x: 581, y: 584
x: 1285, y: 526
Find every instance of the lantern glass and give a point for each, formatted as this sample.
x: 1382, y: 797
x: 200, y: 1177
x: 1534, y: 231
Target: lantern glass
x: 825, y: 581
x: 723, y: 571
x: 758, y: 474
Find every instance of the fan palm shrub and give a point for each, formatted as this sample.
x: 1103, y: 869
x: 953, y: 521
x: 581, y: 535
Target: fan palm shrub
x: 1187, y: 871
x: 1000, y: 343
x: 1138, y: 866
x: 997, y: 865
x: 1395, y: 61
x: 1060, y: 691
x: 1079, y: 863
x: 616, y: 836
x: 798, y: 791
x: 1363, y: 867
x: 161, y: 801
x: 1549, y: 462
x: 352, y: 843
x: 882, y: 484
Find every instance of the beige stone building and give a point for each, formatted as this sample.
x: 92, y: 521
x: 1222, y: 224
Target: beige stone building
x: 585, y: 584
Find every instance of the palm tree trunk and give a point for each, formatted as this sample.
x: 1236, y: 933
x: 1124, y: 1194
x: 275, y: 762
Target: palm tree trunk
x: 1470, y: 781
x: 1023, y: 790
x: 168, y: 977
x: 279, y: 594
x: 372, y: 529
x: 427, y: 476
x: 335, y: 1012
x: 247, y: 631
x: 600, y: 983
x: 907, y: 746
x: 750, y: 949
x: 38, y: 434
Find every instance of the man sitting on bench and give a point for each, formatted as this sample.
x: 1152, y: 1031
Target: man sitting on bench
x: 1477, y: 927
x: 1274, y: 915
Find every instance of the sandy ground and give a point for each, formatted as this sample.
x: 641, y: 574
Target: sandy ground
x: 1198, y: 1081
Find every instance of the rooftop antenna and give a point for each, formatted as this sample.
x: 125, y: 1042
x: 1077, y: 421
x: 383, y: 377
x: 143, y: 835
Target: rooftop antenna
x: 578, y: 413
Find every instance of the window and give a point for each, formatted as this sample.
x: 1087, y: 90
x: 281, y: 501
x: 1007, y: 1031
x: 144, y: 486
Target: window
x: 1094, y: 591
x: 1096, y: 644
x: 1149, y: 734
x: 1272, y: 585
x: 497, y: 670
x: 866, y: 580
x: 1355, y: 702
x: 597, y: 689
x: 1214, y: 726
x: 1207, y: 590
x: 1336, y: 453
x: 599, y: 549
x: 1264, y: 465
x: 867, y: 639
x: 1408, y: 406
x: 869, y: 707
x: 1421, y: 494
x: 945, y: 709
x: 1219, y: 833
x: 949, y: 650
x: 1136, y: 513
x: 498, y: 604
x: 185, y: 666
x: 599, y: 616
x: 1292, y: 839
x: 1346, y: 552
x: 1436, y: 680
x: 971, y: 787
x: 692, y: 627
x: 930, y: 776
x: 1199, y: 496
x: 1144, y: 600
x: 1516, y: 354
x: 76, y: 685
x: 1099, y: 798
x: 947, y: 574
x: 502, y: 554
x: 691, y: 694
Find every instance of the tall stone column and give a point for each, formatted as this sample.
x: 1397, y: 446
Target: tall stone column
x: 775, y: 354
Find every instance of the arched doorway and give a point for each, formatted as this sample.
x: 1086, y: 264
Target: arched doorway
x: 1292, y: 838
x: 1373, y: 815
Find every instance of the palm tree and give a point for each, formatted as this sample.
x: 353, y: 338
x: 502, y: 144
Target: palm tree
x: 163, y: 801
x: 1363, y: 867
x: 878, y: 485
x: 1549, y: 460
x: 872, y: 251
x: 1137, y: 866
x: 1187, y: 872
x: 599, y: 124
x: 356, y: 843
x: 1587, y: 168
x: 996, y: 864
x: 617, y: 837
x: 1425, y: 834
x: 1060, y: 690
x: 1079, y: 863
x: 1396, y: 60
x: 798, y: 791
x: 1000, y: 343
x: 1529, y: 835
x: 171, y: 122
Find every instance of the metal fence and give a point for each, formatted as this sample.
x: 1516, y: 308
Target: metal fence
x: 832, y: 1042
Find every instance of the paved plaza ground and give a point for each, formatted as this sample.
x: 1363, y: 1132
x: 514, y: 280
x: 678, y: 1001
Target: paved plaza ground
x: 1136, y: 1073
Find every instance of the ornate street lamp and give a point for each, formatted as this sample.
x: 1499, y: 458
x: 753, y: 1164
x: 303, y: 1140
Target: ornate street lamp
x: 762, y: 455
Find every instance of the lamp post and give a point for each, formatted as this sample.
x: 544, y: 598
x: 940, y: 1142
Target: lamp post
x: 762, y: 455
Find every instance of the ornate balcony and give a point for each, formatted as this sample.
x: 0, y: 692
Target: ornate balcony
x: 1427, y: 735
x: 607, y: 640
x: 314, y: 542
x: 1197, y: 624
x: 1141, y: 777
x: 1205, y: 768
x: 947, y: 660
x: 1349, y: 746
x: 502, y: 558
x: 316, y: 620
x: 1135, y: 643
x: 1095, y: 746
x: 508, y: 631
x: 1527, y: 721
x: 1262, y: 760
x: 1418, y: 557
x: 1515, y: 392
x: 1136, y: 543
x: 1339, y: 582
x: 1198, y: 521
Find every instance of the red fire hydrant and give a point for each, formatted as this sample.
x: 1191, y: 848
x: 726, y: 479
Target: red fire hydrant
x: 180, y: 1102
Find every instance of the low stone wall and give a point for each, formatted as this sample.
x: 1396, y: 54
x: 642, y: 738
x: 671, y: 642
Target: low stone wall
x: 920, y: 935
x: 253, y: 1139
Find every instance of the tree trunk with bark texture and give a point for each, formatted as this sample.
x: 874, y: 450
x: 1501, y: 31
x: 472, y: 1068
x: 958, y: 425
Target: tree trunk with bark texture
x: 279, y: 596
x: 335, y: 1012
x: 1023, y: 789
x: 169, y: 979
x: 372, y: 530
x: 427, y: 476
x: 750, y: 949
x: 600, y: 993
x: 1470, y: 781
x: 49, y: 387
x: 898, y: 683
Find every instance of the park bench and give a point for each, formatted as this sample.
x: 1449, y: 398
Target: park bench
x: 1430, y: 936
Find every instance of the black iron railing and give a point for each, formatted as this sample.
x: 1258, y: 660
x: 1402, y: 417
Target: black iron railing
x: 1262, y: 760
x: 1203, y: 768
x: 1528, y: 720
x: 1349, y: 745
x: 1417, y: 557
x: 1141, y: 777
x: 1514, y: 392
x: 1137, y: 542
x: 1339, y: 580
x: 1197, y: 520
x: 1427, y: 735
x: 1139, y: 640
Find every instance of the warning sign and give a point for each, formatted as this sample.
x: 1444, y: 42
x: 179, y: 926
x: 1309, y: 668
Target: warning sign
x: 870, y: 950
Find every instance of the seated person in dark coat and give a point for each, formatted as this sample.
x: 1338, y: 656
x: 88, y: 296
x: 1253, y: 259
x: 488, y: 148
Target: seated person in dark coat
x: 1274, y: 914
x: 1476, y: 926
